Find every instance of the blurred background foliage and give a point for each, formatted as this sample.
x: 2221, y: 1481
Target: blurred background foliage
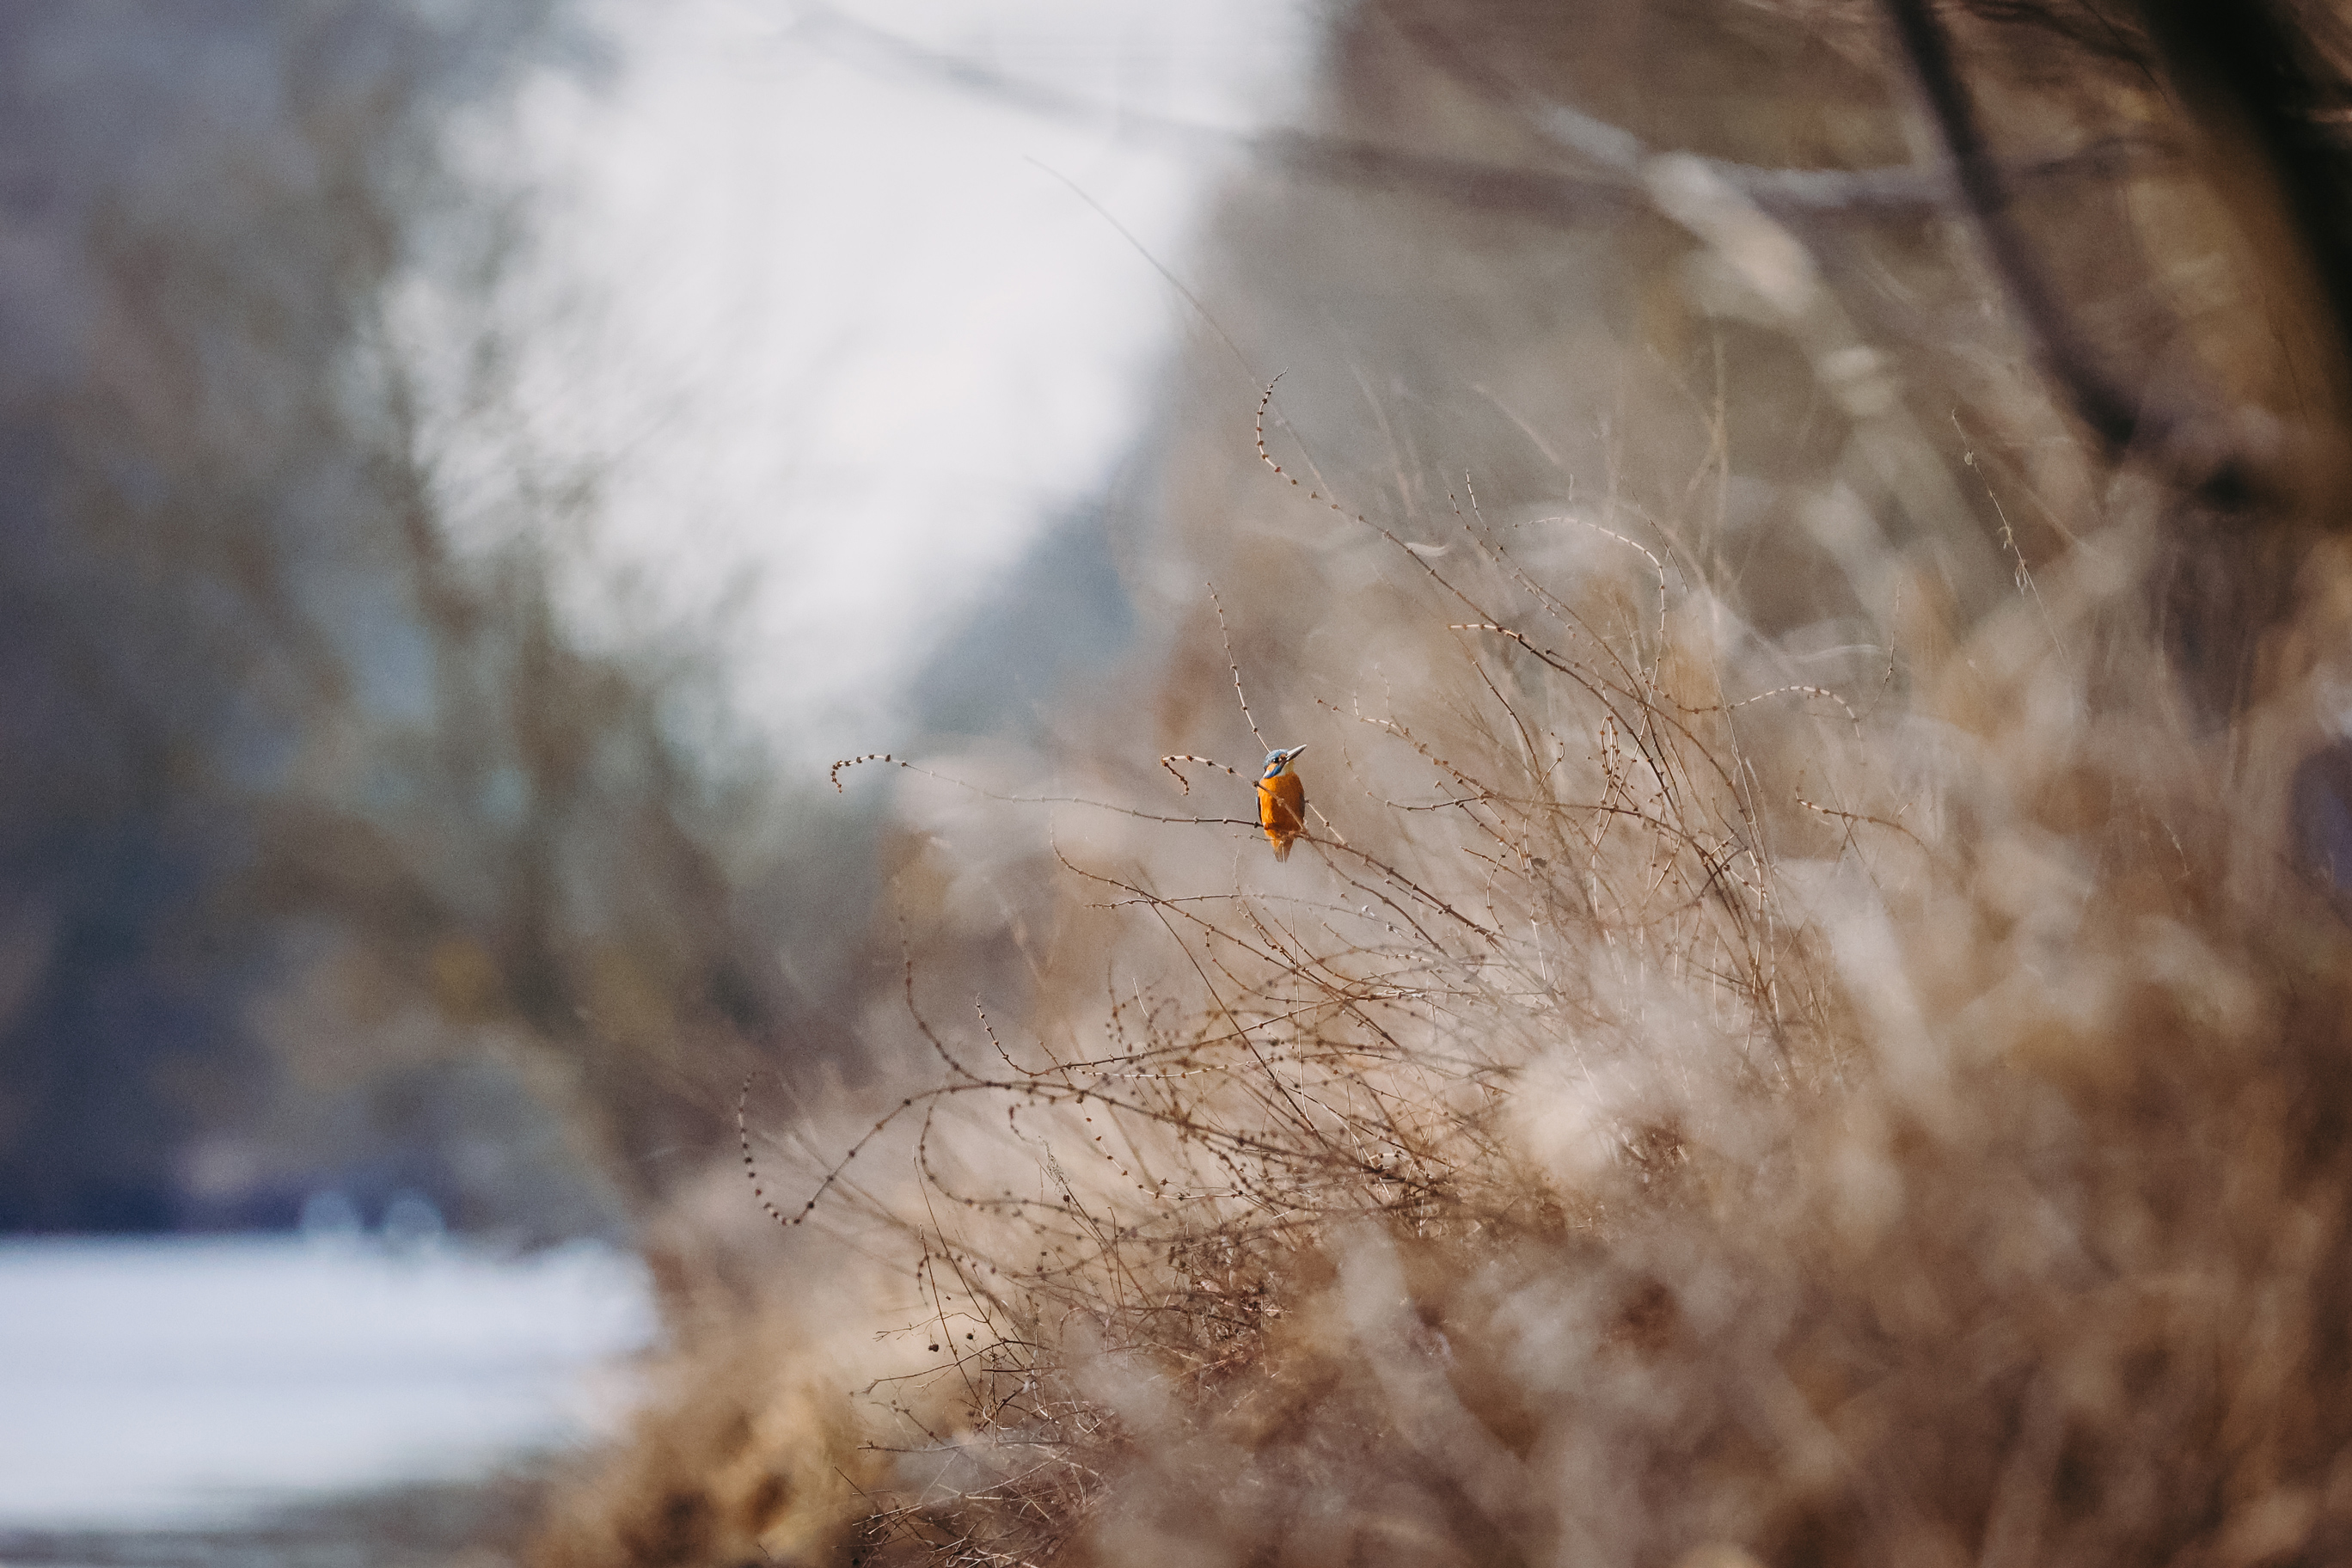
x: 331, y: 858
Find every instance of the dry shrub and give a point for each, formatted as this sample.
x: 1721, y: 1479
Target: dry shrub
x: 1835, y: 1062
x: 1688, y: 1114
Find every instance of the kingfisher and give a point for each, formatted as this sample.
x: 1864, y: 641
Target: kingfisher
x: 1281, y: 801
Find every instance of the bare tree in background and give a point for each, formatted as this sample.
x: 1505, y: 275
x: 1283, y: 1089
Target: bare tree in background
x: 327, y: 858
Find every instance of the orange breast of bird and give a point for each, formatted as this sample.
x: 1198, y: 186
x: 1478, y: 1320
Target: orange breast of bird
x: 1281, y: 811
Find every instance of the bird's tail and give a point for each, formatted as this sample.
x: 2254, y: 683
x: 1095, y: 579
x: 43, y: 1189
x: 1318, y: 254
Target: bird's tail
x: 1282, y: 851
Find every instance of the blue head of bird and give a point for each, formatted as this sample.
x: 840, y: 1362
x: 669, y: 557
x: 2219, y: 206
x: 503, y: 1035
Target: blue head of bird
x: 1278, y: 761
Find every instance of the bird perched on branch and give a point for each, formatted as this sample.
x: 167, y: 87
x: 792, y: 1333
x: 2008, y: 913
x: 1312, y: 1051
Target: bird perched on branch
x: 1281, y: 801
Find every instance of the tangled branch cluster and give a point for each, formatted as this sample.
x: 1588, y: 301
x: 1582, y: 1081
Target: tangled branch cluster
x: 1582, y: 835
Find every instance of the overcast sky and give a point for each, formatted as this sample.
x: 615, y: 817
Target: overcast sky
x: 839, y: 335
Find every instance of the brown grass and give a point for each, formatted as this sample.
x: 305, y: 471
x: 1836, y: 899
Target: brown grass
x: 1682, y: 1113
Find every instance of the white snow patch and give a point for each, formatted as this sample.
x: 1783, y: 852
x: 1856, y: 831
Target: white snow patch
x: 179, y: 1382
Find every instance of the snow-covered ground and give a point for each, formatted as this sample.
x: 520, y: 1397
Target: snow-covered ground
x: 179, y: 1382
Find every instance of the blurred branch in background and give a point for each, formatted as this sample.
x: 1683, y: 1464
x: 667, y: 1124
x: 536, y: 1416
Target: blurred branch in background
x: 1611, y: 156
